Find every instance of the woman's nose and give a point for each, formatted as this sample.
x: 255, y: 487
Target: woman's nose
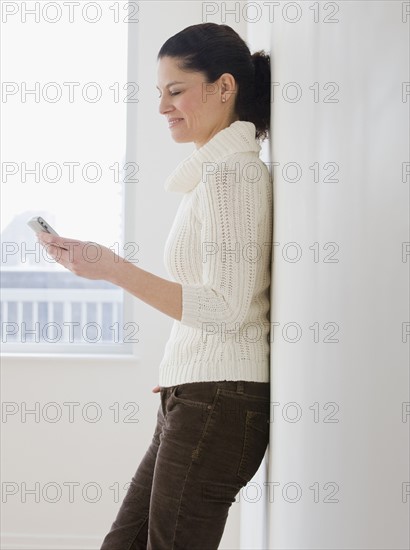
x: 164, y: 106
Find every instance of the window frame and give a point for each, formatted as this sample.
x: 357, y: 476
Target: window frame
x: 125, y: 352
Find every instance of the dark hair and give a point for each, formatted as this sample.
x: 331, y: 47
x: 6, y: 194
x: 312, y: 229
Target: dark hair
x: 216, y: 49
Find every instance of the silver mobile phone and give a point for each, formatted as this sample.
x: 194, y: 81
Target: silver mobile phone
x: 38, y: 224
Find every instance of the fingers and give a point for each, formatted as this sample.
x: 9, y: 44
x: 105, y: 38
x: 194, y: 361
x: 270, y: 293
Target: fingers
x: 55, y: 240
x: 60, y: 255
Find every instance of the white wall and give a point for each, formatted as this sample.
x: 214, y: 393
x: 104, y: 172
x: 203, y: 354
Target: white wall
x: 366, y: 292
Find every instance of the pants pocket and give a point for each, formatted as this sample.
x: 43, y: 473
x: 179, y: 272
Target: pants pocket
x: 199, y: 395
x: 255, y: 442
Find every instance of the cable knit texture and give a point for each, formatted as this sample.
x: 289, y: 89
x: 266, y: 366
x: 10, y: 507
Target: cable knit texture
x: 219, y: 250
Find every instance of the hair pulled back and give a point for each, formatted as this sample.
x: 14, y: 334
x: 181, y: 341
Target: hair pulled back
x: 216, y: 49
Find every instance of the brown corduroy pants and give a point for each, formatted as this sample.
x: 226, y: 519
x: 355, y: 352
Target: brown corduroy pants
x: 209, y: 441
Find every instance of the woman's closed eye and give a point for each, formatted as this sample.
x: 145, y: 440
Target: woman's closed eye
x: 170, y: 93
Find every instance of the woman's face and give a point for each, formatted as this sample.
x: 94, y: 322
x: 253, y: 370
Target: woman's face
x: 196, y: 107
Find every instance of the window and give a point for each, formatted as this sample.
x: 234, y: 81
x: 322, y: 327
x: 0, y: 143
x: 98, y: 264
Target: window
x: 65, y: 103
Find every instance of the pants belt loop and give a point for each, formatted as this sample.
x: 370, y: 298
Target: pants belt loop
x: 240, y: 386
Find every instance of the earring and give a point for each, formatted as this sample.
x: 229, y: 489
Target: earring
x: 224, y: 99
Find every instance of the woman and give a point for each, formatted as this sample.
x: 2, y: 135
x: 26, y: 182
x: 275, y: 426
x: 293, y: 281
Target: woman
x: 213, y: 419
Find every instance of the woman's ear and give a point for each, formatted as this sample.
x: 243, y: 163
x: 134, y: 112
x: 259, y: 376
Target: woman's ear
x: 228, y: 84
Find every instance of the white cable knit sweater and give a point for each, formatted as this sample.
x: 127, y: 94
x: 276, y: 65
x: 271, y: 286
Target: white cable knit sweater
x: 219, y: 250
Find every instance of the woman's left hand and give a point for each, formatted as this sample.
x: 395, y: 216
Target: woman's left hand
x: 84, y: 258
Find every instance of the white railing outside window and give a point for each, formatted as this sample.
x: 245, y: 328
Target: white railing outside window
x: 47, y: 319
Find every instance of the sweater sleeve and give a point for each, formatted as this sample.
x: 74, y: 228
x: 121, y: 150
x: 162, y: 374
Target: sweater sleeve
x: 229, y: 208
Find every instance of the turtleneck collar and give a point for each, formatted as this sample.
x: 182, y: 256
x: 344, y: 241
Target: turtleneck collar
x: 237, y: 138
